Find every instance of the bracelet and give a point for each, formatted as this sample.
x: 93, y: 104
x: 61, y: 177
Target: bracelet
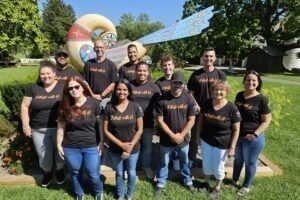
x: 255, y: 135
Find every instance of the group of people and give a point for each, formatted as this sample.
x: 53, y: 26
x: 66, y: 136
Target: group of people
x: 71, y: 117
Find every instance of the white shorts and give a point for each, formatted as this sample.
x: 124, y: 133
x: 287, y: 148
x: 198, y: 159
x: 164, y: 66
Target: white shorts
x: 213, y: 160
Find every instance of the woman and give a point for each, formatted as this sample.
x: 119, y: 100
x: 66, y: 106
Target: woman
x: 256, y: 117
x: 220, y: 123
x: 78, y: 135
x: 39, y: 113
x: 123, y: 125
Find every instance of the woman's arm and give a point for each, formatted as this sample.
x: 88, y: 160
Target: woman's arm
x: 126, y: 146
x: 234, y: 139
x: 139, y: 131
x: 59, y: 138
x: 266, y: 120
x: 25, y: 115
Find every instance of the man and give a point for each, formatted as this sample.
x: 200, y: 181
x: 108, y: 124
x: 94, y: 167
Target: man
x: 101, y: 74
x: 199, y: 86
x: 175, y: 115
x: 167, y: 65
x: 127, y: 71
x: 63, y: 70
x: 145, y: 93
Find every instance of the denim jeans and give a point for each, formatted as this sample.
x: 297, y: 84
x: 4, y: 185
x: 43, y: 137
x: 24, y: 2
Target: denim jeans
x: 163, y: 170
x: 80, y: 159
x: 44, y: 140
x: 247, y: 152
x: 130, y: 165
x: 147, y: 147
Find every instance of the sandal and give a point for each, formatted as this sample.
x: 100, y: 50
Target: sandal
x: 243, y: 191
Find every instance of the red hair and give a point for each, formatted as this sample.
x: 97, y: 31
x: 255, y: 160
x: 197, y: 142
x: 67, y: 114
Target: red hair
x: 67, y: 108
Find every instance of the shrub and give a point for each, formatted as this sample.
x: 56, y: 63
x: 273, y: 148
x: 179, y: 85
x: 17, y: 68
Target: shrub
x: 11, y: 95
x: 20, y: 155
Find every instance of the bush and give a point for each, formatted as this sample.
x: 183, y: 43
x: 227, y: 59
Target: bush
x: 11, y: 96
x: 20, y: 155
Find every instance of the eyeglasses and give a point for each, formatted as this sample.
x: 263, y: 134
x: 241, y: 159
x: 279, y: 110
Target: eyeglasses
x: 76, y: 87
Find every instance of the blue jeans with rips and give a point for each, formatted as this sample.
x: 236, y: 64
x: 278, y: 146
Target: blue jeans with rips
x: 80, y: 159
x: 247, y: 152
x: 163, y: 170
x: 130, y: 165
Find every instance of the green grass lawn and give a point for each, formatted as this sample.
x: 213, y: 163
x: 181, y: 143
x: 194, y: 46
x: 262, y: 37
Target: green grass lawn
x: 17, y: 73
x: 282, y: 147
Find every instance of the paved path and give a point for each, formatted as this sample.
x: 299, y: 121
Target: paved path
x: 287, y: 82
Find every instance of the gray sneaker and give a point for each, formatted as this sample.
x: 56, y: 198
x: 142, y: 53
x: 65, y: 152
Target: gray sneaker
x: 99, y: 197
x: 79, y: 197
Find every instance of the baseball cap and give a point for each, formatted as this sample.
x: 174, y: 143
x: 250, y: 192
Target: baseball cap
x: 178, y: 76
x: 61, y: 51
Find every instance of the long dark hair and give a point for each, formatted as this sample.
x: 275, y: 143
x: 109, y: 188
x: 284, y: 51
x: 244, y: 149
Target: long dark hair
x: 67, y: 108
x: 258, y: 78
x: 114, y: 99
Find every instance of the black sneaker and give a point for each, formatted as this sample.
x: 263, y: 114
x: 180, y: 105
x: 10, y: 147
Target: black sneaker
x: 157, y: 191
x: 60, y: 176
x: 204, y: 188
x: 47, y: 177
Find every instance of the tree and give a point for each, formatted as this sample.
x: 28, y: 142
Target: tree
x: 20, y: 27
x: 134, y: 28
x: 57, y: 20
x: 237, y: 23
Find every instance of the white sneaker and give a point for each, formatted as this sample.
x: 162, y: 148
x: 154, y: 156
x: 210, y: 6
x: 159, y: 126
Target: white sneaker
x: 149, y: 172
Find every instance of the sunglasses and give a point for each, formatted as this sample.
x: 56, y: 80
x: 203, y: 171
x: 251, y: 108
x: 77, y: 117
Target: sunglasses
x: 75, y: 87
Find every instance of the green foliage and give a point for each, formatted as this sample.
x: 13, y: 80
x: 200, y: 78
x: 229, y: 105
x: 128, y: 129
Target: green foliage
x: 57, y: 20
x: 12, y: 94
x: 6, y: 128
x: 20, y: 155
x: 236, y: 24
x: 134, y: 28
x: 20, y: 26
x: 276, y: 101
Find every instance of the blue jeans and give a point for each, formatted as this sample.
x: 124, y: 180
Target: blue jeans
x: 163, y: 170
x: 130, y: 165
x: 88, y: 159
x: 247, y: 152
x: 147, y: 147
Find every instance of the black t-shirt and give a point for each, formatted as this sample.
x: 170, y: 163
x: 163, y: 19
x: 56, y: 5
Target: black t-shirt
x: 82, y: 131
x: 123, y: 124
x: 217, y: 125
x: 146, y: 95
x: 201, y: 81
x: 163, y: 84
x: 62, y: 75
x: 100, y: 75
x: 127, y: 71
x: 175, y: 111
x: 251, y: 110
x: 43, y: 109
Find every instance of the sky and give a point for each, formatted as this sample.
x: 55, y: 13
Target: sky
x: 165, y: 11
